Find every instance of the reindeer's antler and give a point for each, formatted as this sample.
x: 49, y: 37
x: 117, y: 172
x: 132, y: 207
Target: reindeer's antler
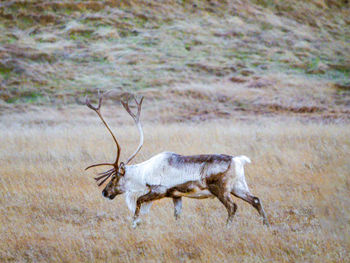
x: 136, y: 119
x: 125, y: 103
x: 112, y: 171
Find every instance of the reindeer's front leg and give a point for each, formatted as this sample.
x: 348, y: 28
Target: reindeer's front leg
x: 156, y: 192
x: 177, y: 206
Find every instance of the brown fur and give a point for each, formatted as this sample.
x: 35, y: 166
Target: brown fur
x: 177, y: 160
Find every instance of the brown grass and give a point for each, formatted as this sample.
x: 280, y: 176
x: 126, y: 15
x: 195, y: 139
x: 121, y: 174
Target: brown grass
x: 51, y: 210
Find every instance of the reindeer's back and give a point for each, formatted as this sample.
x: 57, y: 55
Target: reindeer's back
x: 170, y: 169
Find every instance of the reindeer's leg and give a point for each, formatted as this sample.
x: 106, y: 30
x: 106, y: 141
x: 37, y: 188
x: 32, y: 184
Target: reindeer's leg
x: 253, y: 200
x: 225, y: 198
x: 156, y: 192
x: 177, y: 207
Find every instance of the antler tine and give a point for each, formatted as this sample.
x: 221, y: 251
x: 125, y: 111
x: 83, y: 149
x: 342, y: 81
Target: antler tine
x: 139, y: 104
x: 99, y: 164
x: 126, y: 107
x: 87, y: 102
x: 106, y: 172
x: 104, y: 175
x: 104, y: 180
x: 137, y: 121
x: 97, y: 110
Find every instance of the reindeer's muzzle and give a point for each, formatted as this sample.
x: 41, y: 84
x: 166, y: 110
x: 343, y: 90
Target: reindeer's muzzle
x: 105, y: 194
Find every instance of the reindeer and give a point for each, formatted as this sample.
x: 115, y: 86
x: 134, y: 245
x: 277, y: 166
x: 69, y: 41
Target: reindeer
x: 171, y: 175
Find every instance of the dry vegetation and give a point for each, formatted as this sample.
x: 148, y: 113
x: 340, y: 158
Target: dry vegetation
x: 264, y: 78
x: 52, y: 211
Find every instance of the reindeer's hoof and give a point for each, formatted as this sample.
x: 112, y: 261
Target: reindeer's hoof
x: 135, y: 223
x: 228, y: 223
x: 266, y: 222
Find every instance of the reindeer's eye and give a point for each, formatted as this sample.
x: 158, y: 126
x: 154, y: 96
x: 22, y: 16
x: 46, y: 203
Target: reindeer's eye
x: 115, y: 178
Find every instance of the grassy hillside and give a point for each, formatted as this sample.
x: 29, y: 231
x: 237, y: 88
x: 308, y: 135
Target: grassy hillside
x: 56, y: 52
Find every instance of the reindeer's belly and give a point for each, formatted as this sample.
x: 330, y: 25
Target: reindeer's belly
x: 195, y: 192
x: 200, y: 194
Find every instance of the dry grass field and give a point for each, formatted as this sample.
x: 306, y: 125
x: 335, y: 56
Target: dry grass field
x: 52, y: 211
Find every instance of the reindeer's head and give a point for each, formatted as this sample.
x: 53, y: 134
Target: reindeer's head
x: 116, y: 185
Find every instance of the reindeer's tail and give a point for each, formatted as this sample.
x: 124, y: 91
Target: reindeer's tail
x: 243, y: 159
x: 240, y: 161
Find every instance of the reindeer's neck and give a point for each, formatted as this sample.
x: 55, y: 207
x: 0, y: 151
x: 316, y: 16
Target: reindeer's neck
x: 134, y: 178
x: 134, y: 185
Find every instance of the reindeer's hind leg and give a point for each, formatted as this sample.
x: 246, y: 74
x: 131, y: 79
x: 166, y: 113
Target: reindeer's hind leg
x: 155, y: 193
x: 177, y: 207
x: 253, y: 200
x: 225, y: 198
